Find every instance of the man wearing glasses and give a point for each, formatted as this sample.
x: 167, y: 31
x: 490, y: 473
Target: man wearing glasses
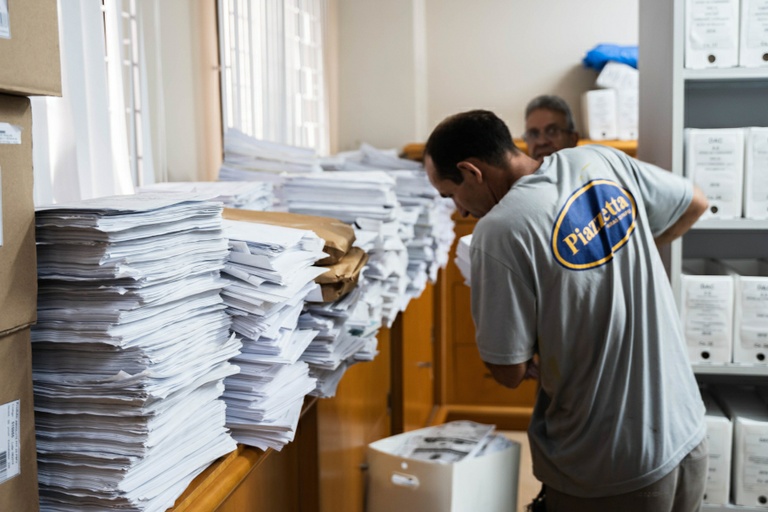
x: 549, y: 126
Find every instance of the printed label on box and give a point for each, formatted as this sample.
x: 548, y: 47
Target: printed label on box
x: 5, y: 22
x: 9, y: 133
x: 10, y: 444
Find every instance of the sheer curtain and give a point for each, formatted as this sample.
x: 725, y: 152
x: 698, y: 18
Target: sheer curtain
x: 89, y: 142
x: 273, y: 78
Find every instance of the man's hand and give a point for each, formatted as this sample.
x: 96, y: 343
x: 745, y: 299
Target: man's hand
x: 511, y: 375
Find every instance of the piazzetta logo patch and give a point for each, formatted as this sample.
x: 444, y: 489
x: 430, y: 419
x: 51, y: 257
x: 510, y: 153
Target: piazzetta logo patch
x: 596, y: 222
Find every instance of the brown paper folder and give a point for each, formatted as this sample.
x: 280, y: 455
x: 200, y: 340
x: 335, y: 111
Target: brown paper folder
x: 342, y: 277
x: 338, y: 236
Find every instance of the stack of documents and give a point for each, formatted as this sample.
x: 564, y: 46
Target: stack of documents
x: 246, y: 195
x: 347, y: 334
x: 249, y: 159
x: 368, y: 158
x: 270, y: 273
x: 344, y: 196
x: 386, y: 274
x: 462, y: 258
x: 433, y: 231
x: 130, y: 351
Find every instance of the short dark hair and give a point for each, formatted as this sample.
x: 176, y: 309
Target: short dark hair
x: 477, y: 133
x: 554, y: 103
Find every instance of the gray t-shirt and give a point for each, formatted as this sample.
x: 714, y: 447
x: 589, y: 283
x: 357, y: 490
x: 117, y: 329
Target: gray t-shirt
x: 566, y: 265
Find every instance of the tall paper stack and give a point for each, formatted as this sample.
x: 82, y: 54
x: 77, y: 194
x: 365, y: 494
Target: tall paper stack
x: 130, y: 350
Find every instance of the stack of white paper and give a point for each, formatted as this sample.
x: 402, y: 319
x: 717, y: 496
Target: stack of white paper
x: 368, y: 158
x: 347, y: 334
x: 130, y: 350
x: 249, y: 159
x: 462, y: 258
x: 247, y: 195
x: 270, y: 272
x: 447, y: 443
x: 433, y: 231
x: 345, y: 196
x: 387, y: 264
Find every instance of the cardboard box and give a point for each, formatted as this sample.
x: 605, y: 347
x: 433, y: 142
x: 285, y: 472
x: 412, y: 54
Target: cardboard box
x: 711, y: 34
x: 706, y: 311
x: 18, y: 261
x: 488, y: 483
x: 30, y: 63
x: 714, y: 160
x: 749, y: 415
x: 755, y: 177
x: 750, y: 325
x: 18, y: 474
x: 599, y: 111
x: 720, y: 442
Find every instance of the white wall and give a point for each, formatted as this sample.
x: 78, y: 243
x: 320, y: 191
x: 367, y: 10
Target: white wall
x: 494, y: 54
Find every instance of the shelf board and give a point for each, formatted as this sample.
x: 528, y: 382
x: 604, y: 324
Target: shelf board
x: 732, y: 224
x: 709, y: 75
x: 731, y: 508
x: 731, y: 369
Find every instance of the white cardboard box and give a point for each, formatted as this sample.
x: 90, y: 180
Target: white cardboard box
x: 714, y: 160
x: 599, y: 111
x: 750, y: 311
x: 749, y: 415
x: 706, y: 311
x: 627, y: 113
x: 756, y: 173
x: 753, y: 40
x: 488, y: 483
x: 711, y: 33
x: 720, y: 442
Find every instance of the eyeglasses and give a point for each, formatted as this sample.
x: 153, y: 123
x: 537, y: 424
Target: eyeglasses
x: 550, y: 132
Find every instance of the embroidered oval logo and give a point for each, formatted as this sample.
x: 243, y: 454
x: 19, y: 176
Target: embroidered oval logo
x: 595, y: 222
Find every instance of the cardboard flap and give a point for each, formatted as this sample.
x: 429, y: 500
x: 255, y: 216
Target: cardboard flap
x: 338, y: 236
x: 343, y: 276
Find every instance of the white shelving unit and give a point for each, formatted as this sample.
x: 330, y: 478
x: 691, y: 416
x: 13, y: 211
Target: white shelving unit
x: 673, y: 98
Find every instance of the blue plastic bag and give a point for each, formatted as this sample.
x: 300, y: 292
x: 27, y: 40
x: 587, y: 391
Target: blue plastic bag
x: 599, y: 56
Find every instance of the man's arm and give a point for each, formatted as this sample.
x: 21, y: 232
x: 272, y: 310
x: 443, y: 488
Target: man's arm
x: 511, y: 375
x: 698, y: 206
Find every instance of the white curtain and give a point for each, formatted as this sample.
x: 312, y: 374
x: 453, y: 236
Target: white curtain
x: 81, y: 145
x: 273, y: 77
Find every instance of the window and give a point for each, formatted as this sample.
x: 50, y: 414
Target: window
x: 273, y: 82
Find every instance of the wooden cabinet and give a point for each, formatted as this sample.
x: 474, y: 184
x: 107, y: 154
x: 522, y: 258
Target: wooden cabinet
x: 416, y: 363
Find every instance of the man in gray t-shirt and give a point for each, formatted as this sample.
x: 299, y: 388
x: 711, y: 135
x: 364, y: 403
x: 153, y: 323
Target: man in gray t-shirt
x: 565, y: 265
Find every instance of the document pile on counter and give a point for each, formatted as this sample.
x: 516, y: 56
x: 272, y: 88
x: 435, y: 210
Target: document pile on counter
x: 433, y: 231
x: 247, y: 159
x: 426, y: 225
x: 451, y: 442
x: 462, y: 258
x: 368, y: 158
x: 130, y: 351
x: 367, y: 200
x: 270, y: 273
x: 246, y: 195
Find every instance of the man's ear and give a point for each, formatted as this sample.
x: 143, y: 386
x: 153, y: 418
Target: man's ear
x: 470, y: 170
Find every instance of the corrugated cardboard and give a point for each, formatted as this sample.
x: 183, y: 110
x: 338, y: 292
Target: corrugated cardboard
x: 18, y: 261
x: 338, y: 236
x: 488, y: 483
x: 342, y: 277
x: 30, y: 63
x: 20, y: 493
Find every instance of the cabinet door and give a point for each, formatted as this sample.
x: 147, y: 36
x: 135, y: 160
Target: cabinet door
x: 466, y: 380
